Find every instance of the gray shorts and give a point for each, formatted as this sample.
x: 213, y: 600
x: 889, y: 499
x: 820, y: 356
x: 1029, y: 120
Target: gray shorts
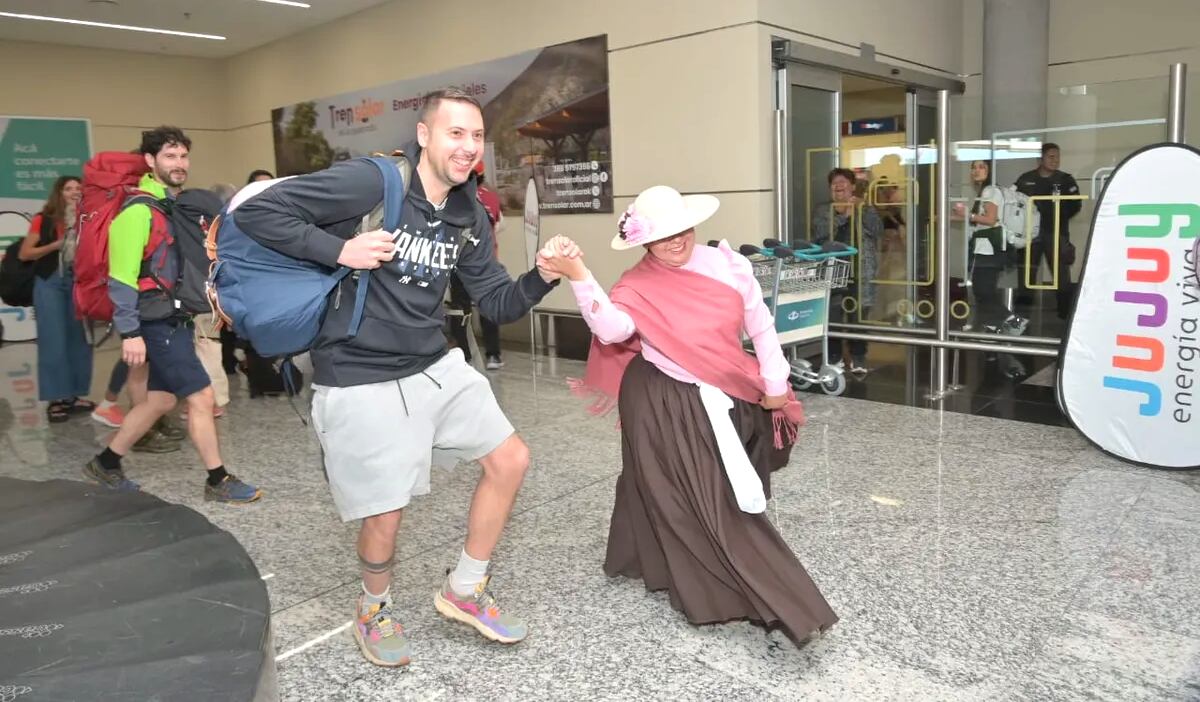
x: 380, y: 439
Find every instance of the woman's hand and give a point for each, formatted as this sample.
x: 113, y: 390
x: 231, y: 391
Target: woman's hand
x: 562, y: 257
x: 773, y: 402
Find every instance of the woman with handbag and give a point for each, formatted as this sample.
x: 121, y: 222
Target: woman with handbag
x: 64, y: 357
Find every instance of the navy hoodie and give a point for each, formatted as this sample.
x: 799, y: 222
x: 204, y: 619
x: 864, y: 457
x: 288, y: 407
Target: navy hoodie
x: 311, y: 217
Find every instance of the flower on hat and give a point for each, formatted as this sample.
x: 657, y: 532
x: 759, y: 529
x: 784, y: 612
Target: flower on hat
x: 633, y: 227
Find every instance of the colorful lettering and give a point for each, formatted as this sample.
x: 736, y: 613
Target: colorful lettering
x: 1153, y: 404
x: 1153, y: 364
x: 1165, y: 212
x: 1158, y: 302
x: 1162, y: 266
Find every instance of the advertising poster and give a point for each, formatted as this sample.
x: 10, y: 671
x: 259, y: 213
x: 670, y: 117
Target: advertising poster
x: 1128, y: 375
x: 545, y: 111
x: 34, y: 152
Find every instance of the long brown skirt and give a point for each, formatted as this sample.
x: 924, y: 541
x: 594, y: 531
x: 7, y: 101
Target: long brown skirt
x: 677, y: 526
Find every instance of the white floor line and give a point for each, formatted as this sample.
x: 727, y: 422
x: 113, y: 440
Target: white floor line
x: 268, y: 576
x: 304, y: 647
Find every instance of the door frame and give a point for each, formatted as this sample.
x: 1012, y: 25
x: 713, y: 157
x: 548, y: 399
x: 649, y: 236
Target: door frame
x: 796, y: 63
x: 807, y: 76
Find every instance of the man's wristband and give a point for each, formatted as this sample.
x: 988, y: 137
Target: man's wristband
x: 136, y: 334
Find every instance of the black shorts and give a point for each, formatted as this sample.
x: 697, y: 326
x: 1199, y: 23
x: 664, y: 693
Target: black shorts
x: 171, y: 353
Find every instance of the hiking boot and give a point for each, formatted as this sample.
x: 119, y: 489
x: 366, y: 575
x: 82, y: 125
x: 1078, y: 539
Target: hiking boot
x: 481, y: 611
x: 111, y: 479
x: 170, y: 429
x: 380, y: 636
x: 156, y: 442
x: 232, y: 490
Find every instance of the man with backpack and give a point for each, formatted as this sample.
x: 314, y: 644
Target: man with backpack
x: 390, y: 398
x: 145, y: 268
x: 1045, y: 180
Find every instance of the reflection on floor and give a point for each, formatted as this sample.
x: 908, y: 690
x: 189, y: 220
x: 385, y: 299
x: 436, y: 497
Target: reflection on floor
x: 900, y: 375
x: 969, y: 557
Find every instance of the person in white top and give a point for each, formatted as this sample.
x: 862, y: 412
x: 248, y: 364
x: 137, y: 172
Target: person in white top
x: 986, y: 251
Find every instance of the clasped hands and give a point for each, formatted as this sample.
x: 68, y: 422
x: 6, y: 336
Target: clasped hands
x: 561, y: 258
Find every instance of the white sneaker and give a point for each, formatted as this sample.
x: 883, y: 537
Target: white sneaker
x: 858, y: 366
x: 494, y: 363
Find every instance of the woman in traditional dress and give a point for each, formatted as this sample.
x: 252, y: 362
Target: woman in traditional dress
x: 703, y: 422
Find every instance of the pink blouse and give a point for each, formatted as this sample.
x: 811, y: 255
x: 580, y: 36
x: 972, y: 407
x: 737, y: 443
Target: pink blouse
x: 612, y: 325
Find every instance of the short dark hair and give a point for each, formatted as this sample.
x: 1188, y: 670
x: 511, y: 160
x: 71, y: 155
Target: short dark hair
x: 844, y: 173
x: 1050, y: 146
x: 431, y: 101
x: 259, y: 172
x: 154, y: 140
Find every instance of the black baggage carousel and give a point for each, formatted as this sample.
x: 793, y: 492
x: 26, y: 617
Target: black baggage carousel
x: 107, y: 596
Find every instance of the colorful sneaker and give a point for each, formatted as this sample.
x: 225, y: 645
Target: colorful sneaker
x: 481, y: 611
x: 111, y: 479
x: 380, y: 636
x: 156, y: 442
x: 230, y: 489
x: 170, y: 429
x: 110, y: 416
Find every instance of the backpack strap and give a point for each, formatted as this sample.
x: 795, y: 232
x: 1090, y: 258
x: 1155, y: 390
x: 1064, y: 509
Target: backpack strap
x: 46, y: 230
x: 160, y: 214
x: 397, y: 173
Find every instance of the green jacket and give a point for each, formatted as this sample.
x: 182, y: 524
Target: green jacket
x: 128, y: 236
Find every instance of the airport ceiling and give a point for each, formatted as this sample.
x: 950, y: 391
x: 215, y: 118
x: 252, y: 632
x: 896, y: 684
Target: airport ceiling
x: 244, y: 24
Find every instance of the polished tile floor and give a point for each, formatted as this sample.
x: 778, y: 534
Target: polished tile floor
x: 969, y: 557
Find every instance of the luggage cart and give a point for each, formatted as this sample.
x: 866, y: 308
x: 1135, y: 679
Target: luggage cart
x: 796, y: 285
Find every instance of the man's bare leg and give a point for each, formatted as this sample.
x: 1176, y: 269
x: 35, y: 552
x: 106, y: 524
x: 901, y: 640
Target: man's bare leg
x: 202, y: 428
x: 376, y: 630
x: 464, y: 596
x: 503, y: 472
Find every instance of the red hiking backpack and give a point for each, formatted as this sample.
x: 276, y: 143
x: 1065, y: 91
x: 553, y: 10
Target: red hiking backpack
x: 110, y: 182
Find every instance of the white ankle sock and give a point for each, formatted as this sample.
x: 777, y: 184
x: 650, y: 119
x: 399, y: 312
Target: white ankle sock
x: 467, y: 575
x: 370, y: 600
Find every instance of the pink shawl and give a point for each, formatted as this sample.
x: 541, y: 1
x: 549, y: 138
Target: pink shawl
x: 695, y: 321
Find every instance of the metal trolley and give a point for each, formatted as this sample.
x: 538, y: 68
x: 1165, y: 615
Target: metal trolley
x: 796, y: 284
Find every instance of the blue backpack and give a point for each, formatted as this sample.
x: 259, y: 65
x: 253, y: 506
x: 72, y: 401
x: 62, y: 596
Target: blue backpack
x: 277, y: 302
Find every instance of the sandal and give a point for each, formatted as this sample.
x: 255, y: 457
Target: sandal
x: 79, y: 406
x: 57, y: 413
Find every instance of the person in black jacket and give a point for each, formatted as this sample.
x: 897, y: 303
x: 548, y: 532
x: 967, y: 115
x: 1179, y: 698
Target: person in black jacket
x: 1046, y: 179
x: 392, y: 399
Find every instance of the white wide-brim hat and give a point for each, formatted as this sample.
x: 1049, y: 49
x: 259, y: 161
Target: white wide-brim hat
x: 660, y: 213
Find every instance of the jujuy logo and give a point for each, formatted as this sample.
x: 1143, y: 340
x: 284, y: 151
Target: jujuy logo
x: 1143, y: 367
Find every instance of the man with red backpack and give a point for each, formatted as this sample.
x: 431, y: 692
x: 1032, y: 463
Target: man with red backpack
x: 144, y: 266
